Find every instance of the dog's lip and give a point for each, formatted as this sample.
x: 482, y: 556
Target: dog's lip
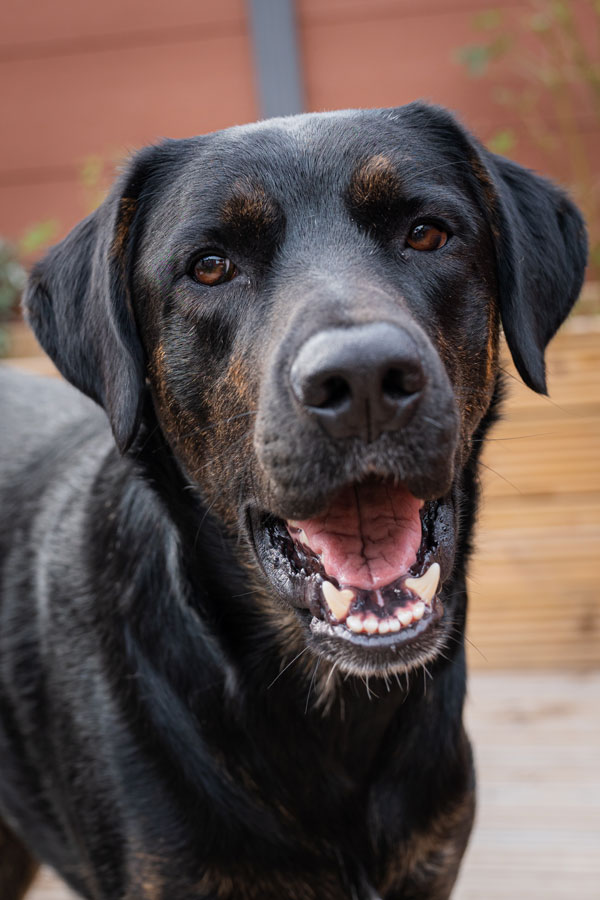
x: 326, y: 631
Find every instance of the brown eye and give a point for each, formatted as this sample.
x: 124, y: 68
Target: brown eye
x: 426, y: 236
x: 212, y: 269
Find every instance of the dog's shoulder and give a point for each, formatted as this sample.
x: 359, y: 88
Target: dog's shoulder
x: 36, y: 410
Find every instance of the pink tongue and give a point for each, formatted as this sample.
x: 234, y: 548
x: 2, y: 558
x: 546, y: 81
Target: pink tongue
x: 369, y: 536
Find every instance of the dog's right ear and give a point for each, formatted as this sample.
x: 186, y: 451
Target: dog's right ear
x: 78, y: 303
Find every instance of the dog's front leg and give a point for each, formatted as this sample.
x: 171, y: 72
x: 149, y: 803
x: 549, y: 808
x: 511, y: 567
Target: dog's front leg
x: 431, y: 860
x: 17, y: 866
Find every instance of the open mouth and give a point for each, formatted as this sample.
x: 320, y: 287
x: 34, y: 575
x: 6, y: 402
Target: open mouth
x: 368, y: 571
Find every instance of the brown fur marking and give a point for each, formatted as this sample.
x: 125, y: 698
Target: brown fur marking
x: 127, y: 210
x: 249, y: 206
x: 375, y: 182
x: 17, y: 866
x: 427, y: 865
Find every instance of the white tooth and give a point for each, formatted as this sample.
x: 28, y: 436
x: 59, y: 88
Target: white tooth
x: 418, y: 610
x: 354, y: 623
x: 302, y: 537
x: 404, y: 616
x: 394, y: 624
x: 384, y: 626
x: 425, y: 586
x: 370, y: 624
x: 338, y: 601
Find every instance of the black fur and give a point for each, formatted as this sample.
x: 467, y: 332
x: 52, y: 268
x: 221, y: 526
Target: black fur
x: 169, y: 727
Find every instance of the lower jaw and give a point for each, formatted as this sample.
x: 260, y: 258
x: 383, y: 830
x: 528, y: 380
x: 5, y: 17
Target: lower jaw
x: 366, y: 655
x: 321, y: 629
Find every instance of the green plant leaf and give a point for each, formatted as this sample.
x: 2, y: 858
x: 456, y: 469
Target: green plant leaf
x: 475, y: 58
x: 503, y: 141
x: 561, y: 11
x: 38, y: 236
x: 91, y: 172
x: 539, y: 22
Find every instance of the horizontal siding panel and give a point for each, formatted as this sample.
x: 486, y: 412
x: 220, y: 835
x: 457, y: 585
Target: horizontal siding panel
x: 22, y: 205
x: 30, y: 26
x: 344, y: 10
x: 387, y: 60
x: 119, y: 100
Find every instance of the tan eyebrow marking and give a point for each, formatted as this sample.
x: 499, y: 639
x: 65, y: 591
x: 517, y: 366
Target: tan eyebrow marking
x: 249, y: 206
x: 374, y: 182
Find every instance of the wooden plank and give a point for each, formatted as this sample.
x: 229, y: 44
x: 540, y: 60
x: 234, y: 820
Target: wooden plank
x: 556, y: 455
x: 537, y: 742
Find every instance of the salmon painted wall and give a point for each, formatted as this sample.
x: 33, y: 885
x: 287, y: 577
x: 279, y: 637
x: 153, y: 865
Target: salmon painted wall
x: 85, y: 83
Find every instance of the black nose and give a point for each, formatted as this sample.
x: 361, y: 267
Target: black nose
x: 359, y: 381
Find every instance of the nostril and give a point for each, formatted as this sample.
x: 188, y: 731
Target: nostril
x: 328, y: 393
x: 335, y: 391
x: 398, y: 383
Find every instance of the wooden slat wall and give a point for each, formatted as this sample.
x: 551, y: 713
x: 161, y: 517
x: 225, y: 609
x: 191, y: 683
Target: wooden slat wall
x: 534, y: 586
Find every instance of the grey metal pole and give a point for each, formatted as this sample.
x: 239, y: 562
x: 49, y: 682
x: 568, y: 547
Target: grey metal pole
x: 276, y: 55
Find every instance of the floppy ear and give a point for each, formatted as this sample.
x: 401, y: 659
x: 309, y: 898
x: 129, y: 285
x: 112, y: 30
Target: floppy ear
x: 78, y: 303
x: 541, y: 252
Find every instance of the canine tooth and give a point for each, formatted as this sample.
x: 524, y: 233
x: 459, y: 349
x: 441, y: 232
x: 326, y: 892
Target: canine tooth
x: 404, y: 616
x: 418, y: 610
x: 302, y: 537
x: 384, y: 626
x: 394, y: 624
x: 338, y: 601
x: 354, y: 623
x: 370, y: 624
x: 425, y: 586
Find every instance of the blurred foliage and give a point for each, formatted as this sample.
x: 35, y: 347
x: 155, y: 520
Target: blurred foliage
x: 94, y: 178
x: 37, y: 237
x: 13, y: 274
x: 12, y: 282
x: 545, y: 72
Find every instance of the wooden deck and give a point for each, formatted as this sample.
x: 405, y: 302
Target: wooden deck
x: 537, y: 743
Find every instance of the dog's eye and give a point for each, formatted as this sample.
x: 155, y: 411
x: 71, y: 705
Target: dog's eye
x: 213, y: 269
x: 426, y: 236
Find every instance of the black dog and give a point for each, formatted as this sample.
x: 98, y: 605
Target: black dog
x: 231, y: 644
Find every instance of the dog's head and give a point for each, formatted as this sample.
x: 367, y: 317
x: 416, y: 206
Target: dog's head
x: 314, y: 304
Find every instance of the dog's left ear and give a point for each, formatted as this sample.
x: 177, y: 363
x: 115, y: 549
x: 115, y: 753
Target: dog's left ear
x: 78, y: 303
x: 541, y: 252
